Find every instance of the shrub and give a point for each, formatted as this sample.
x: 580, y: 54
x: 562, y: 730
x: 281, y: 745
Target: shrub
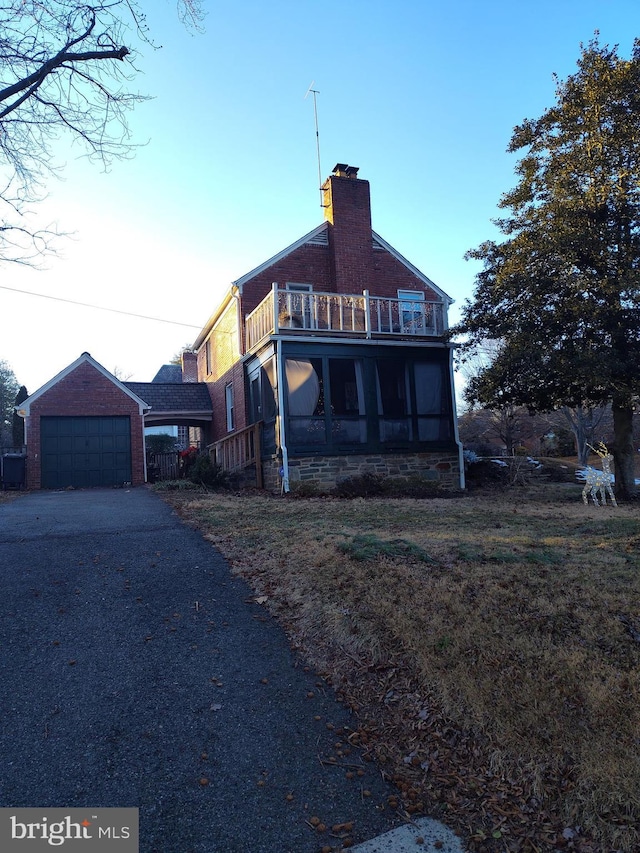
x: 416, y: 487
x: 485, y: 473
x: 204, y: 472
x: 365, y: 485
x: 304, y: 489
x: 369, y: 485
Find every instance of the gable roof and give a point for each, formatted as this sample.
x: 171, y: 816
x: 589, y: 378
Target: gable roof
x: 377, y: 239
x: 320, y: 237
x: 24, y: 408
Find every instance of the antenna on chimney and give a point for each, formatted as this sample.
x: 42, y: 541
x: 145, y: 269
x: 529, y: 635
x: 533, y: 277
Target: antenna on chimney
x: 315, y: 92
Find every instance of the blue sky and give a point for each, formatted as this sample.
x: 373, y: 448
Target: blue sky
x: 422, y: 96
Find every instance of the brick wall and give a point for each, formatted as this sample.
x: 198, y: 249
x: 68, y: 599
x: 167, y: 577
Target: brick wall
x: 226, y: 367
x: 219, y: 403
x: 348, y: 211
x: 223, y: 340
x: 189, y: 364
x: 83, y: 392
x: 310, y: 264
x: 390, y: 275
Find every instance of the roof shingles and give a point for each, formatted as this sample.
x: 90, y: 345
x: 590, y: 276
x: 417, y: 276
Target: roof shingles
x: 173, y: 396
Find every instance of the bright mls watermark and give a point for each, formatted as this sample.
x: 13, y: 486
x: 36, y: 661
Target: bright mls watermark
x: 80, y: 830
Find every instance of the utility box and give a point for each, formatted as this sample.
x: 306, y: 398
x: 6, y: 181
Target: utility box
x: 13, y: 471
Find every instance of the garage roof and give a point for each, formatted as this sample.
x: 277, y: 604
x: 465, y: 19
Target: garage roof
x: 24, y: 408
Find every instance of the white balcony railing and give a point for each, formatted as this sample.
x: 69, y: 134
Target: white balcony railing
x: 342, y: 314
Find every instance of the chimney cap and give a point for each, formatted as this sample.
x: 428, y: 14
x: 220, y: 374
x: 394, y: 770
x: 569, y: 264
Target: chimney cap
x: 342, y: 170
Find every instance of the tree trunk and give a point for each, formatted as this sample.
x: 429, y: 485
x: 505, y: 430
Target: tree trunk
x: 583, y: 421
x: 624, y: 452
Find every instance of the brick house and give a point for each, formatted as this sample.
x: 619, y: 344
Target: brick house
x: 328, y: 360
x: 84, y: 428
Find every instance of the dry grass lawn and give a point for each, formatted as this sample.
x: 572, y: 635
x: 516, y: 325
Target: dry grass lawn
x: 489, y: 645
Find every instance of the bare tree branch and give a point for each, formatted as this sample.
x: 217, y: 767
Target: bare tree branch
x: 65, y: 66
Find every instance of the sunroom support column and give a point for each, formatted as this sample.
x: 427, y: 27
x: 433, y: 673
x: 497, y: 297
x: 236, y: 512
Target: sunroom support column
x: 281, y: 424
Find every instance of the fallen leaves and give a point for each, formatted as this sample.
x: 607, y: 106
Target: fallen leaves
x: 395, y: 636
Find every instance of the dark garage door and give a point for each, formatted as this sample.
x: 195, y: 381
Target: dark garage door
x: 85, y: 451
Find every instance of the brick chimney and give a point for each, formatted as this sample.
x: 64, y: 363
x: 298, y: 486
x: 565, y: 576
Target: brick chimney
x: 347, y: 208
x: 189, y: 362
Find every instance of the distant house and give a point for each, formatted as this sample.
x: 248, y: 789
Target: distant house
x: 325, y: 362
x: 328, y: 360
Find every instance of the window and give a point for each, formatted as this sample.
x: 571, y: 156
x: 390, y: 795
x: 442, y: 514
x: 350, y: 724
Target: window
x: 262, y: 401
x: 305, y: 397
x: 430, y: 407
x: 388, y: 400
x: 255, y: 399
x: 393, y: 400
x: 412, y: 311
x: 298, y: 305
x: 348, y: 423
x: 326, y: 402
x: 207, y: 355
x: 228, y: 397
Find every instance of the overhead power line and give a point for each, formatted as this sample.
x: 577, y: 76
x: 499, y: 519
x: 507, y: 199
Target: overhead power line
x: 99, y: 307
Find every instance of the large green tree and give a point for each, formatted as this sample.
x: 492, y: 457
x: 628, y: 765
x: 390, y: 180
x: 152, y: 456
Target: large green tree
x: 66, y: 69
x: 561, y: 291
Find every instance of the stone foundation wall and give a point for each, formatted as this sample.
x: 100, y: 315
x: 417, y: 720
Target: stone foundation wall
x: 325, y: 471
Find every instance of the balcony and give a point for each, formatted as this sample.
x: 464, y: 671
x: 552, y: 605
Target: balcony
x: 336, y: 314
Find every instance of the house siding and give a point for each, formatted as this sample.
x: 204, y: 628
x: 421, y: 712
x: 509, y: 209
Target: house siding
x: 84, y: 391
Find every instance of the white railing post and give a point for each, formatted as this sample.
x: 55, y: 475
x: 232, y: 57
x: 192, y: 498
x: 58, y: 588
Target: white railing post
x: 367, y: 314
x: 274, y: 296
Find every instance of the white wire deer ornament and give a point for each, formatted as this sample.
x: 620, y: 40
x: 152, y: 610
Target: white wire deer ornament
x: 599, y: 481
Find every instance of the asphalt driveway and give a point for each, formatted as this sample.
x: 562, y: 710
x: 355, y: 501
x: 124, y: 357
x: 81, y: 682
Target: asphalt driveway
x: 136, y: 671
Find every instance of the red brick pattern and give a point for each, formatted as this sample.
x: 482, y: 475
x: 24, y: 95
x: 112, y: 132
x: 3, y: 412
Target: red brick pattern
x: 83, y: 391
x: 309, y: 264
x: 189, y: 363
x: 348, y: 211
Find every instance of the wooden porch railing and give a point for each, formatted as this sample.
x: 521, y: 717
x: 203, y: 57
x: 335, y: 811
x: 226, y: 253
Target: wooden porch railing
x: 240, y: 450
x: 353, y: 315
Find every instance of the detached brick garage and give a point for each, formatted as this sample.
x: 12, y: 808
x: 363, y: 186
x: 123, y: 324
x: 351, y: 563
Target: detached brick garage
x: 84, y: 428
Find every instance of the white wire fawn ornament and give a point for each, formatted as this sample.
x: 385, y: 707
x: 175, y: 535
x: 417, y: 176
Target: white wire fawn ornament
x: 599, y: 482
